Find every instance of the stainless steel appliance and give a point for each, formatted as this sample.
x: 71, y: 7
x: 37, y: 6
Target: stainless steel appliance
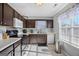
x: 12, y: 33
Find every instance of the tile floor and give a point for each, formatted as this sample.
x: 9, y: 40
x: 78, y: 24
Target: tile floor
x: 35, y: 50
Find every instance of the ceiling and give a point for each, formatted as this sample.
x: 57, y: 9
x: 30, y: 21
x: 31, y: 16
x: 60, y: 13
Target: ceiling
x: 34, y: 11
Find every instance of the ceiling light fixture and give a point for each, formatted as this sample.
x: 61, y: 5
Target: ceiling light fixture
x: 39, y: 2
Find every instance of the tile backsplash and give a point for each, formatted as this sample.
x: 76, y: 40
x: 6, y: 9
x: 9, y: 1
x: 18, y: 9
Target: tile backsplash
x: 35, y: 30
x: 2, y: 29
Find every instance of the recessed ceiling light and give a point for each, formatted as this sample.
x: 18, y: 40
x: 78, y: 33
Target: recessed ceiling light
x: 55, y: 4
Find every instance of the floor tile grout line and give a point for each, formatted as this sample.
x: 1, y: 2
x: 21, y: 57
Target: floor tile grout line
x: 29, y: 50
x: 24, y: 48
x: 35, y: 51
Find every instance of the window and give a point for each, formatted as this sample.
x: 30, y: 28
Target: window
x: 69, y: 26
x: 40, y: 24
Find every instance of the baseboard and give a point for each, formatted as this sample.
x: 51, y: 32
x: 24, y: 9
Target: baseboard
x: 65, y: 53
x: 42, y: 44
x: 50, y: 44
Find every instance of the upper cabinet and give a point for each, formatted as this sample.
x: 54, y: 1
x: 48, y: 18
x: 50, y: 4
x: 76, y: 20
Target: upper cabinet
x: 36, y: 23
x: 24, y: 23
x: 16, y: 15
x: 30, y: 23
x: 7, y: 15
x: 49, y: 23
x: 0, y: 13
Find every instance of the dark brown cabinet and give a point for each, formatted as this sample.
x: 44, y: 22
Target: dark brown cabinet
x: 33, y: 39
x: 30, y: 23
x: 24, y: 23
x: 7, y: 15
x: 49, y: 23
x: 20, y: 17
x: 42, y: 38
x: 16, y: 15
x: 0, y: 13
x: 37, y: 39
x: 25, y: 39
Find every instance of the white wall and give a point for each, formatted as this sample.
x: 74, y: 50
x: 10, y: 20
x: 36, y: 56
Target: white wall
x: 66, y: 47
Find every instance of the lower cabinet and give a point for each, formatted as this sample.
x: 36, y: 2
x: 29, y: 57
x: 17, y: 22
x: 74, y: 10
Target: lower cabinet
x: 35, y: 39
x: 25, y: 39
x: 40, y: 39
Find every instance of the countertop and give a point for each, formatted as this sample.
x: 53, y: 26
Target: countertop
x: 35, y: 33
x: 6, y: 43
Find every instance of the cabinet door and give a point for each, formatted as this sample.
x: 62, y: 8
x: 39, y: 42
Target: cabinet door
x: 24, y: 23
x: 8, y: 15
x: 16, y: 15
x: 42, y: 38
x: 49, y: 23
x: 33, y: 39
x: 25, y: 39
x: 30, y: 24
x: 20, y: 17
x: 0, y: 13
